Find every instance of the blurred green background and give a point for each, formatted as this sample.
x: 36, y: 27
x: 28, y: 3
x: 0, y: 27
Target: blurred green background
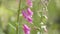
x: 46, y: 11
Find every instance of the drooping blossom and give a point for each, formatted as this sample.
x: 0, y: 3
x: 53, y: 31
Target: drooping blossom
x: 30, y: 13
x: 26, y: 29
x: 24, y: 13
x: 29, y: 19
x: 44, y: 27
x: 29, y: 3
x: 27, y: 15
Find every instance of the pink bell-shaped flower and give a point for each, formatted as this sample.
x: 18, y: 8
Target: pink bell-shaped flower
x: 27, y: 15
x: 30, y: 13
x: 26, y: 29
x: 29, y: 3
x: 29, y: 19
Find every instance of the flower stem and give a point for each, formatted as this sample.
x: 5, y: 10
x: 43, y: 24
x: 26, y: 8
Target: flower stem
x: 18, y: 12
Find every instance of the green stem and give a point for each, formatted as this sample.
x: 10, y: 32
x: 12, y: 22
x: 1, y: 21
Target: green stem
x: 18, y: 12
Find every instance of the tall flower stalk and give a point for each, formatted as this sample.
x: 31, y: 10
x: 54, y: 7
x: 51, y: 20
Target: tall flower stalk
x: 44, y: 13
x: 27, y: 14
x: 18, y: 12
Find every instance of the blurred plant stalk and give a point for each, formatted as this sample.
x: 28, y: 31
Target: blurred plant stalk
x: 18, y: 19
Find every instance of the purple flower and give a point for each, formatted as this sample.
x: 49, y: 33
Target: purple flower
x: 30, y: 13
x: 24, y: 13
x: 27, y: 15
x: 26, y: 29
x: 29, y: 19
x: 29, y: 3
